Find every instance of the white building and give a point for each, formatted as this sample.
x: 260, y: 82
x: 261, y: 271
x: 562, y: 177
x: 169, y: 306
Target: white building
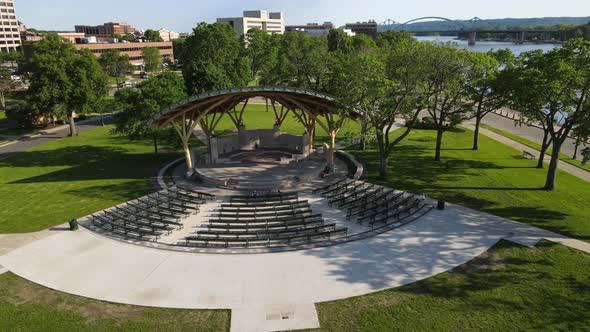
x: 168, y: 35
x: 10, y: 37
x: 261, y: 19
x: 315, y: 29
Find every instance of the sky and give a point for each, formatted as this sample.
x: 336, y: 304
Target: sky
x: 183, y: 15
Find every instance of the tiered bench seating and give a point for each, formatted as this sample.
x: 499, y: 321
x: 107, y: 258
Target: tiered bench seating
x: 149, y: 217
x: 264, y: 220
x: 369, y: 203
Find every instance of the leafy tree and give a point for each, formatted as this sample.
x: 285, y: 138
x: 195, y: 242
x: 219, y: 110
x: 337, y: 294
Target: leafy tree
x: 152, y: 59
x: 302, y: 61
x: 126, y: 37
x: 446, y: 81
x: 152, y: 36
x: 260, y: 50
x: 390, y: 38
x: 486, y: 86
x: 553, y: 88
x: 362, y: 42
x: 114, y: 63
x: 154, y: 94
x: 7, y: 84
x: 338, y: 40
x: 213, y: 58
x: 63, y: 77
x: 88, y: 84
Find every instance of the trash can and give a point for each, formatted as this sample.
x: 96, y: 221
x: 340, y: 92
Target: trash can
x: 73, y: 225
x: 441, y: 205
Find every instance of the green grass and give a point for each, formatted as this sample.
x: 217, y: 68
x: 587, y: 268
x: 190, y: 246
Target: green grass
x: 25, y: 306
x: 256, y: 117
x: 116, y: 80
x: 495, y: 179
x: 536, y: 146
x: 509, y: 288
x: 72, y: 177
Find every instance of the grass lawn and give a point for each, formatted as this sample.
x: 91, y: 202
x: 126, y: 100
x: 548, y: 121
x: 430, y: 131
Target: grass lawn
x: 509, y: 288
x: 495, y: 179
x: 256, y: 117
x: 536, y: 146
x: 25, y: 306
x: 72, y: 177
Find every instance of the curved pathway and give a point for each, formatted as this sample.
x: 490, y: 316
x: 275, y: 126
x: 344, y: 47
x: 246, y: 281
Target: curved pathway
x: 262, y: 288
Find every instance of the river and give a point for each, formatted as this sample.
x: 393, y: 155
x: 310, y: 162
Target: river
x: 485, y: 46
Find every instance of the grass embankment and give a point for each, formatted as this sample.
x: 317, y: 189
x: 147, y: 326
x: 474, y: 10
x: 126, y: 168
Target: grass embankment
x: 495, y: 179
x: 563, y: 157
x: 72, y: 177
x: 25, y: 306
x: 509, y: 288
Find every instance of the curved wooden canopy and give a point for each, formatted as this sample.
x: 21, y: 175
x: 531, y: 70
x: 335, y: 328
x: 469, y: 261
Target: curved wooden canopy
x: 224, y: 100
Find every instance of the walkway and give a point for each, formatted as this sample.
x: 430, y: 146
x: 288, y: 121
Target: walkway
x: 46, y: 136
x: 266, y: 291
x: 573, y: 170
x: 531, y: 133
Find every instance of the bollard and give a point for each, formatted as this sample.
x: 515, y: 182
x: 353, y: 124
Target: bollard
x: 73, y: 225
x: 441, y: 205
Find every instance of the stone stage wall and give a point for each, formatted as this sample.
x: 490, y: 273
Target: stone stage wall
x: 250, y: 140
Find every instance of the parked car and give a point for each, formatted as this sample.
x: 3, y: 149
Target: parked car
x: 125, y: 84
x: 15, y: 77
x: 143, y: 75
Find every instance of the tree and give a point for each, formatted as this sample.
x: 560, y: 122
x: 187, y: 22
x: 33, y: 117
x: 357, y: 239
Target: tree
x: 62, y: 77
x: 390, y: 38
x: 486, y: 84
x: 152, y: 36
x: 446, y: 81
x: 338, y: 40
x: 214, y: 58
x: 553, y: 87
x: 7, y: 84
x: 382, y: 85
x: 114, y: 64
x: 302, y: 61
x: 154, y: 94
x: 260, y: 50
x: 89, y: 83
x: 127, y: 37
x: 152, y: 59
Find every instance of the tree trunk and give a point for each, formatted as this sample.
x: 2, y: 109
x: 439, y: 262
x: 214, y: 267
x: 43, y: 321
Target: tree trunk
x: 476, y: 133
x: 3, y: 100
x: 155, y: 137
x: 439, y: 137
x: 73, y: 130
x: 577, y: 146
x: 544, y: 146
x: 552, y: 172
x: 383, y: 158
x: 363, y: 141
x: 209, y: 146
x: 311, y: 135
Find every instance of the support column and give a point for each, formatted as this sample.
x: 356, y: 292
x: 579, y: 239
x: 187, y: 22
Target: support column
x: 214, y: 150
x: 472, y: 38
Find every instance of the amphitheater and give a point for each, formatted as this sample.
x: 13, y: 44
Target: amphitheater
x: 263, y: 225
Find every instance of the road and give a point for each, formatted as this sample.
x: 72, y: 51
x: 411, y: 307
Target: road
x: 46, y: 136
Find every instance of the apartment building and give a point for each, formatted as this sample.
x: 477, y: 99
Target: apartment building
x: 105, y: 30
x: 366, y: 28
x: 133, y: 50
x: 9, y: 27
x: 260, y: 19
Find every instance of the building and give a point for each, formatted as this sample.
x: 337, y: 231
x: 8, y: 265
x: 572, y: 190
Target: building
x: 74, y: 37
x: 366, y: 28
x: 133, y: 50
x: 315, y: 29
x: 168, y: 35
x: 106, y: 30
x: 10, y: 40
x: 260, y: 19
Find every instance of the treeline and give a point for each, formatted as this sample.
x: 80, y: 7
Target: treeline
x: 380, y: 81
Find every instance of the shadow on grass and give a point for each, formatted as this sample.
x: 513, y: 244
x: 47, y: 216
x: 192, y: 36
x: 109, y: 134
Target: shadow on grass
x: 88, y: 163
